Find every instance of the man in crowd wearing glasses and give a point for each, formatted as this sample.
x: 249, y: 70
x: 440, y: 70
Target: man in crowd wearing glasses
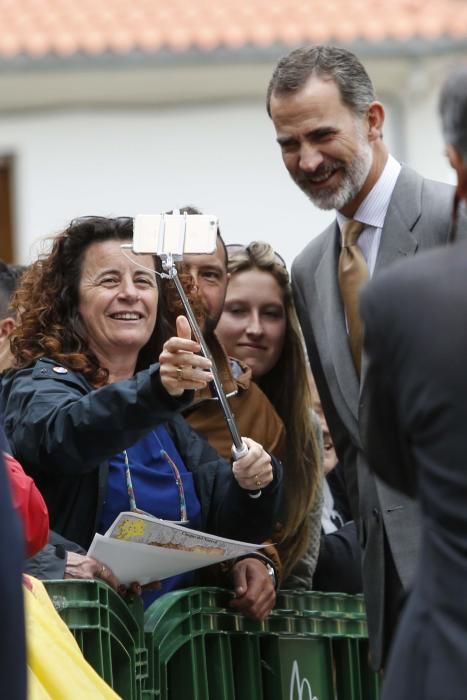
x: 329, y: 128
x: 417, y: 437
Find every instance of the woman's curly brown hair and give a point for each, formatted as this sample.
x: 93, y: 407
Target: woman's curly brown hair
x: 47, y: 303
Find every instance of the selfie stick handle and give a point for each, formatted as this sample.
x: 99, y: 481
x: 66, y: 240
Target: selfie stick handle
x: 239, y: 448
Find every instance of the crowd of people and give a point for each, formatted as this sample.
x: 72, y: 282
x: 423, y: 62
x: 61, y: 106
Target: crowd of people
x: 351, y: 406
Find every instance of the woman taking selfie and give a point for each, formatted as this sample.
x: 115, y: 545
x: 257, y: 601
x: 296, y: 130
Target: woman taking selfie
x: 94, y: 418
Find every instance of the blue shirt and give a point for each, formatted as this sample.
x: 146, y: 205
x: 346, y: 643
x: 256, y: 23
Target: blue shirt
x: 155, y: 491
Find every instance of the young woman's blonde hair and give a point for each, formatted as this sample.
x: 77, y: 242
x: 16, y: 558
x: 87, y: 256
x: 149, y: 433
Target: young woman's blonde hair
x: 287, y: 387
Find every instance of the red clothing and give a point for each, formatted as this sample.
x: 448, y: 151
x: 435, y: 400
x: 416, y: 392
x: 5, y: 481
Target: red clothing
x: 29, y: 504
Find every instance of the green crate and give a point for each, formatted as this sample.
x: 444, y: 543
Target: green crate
x: 319, y: 601
x: 108, y: 630
x: 174, y: 625
x: 297, y: 666
x: 199, y: 649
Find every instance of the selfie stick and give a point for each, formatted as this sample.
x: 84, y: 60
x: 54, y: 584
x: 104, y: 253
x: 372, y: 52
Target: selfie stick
x: 239, y: 448
x: 164, y: 250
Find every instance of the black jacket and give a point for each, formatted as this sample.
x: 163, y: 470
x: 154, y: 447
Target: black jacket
x: 64, y: 432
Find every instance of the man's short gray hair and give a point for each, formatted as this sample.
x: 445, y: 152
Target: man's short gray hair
x: 453, y: 110
x: 327, y: 62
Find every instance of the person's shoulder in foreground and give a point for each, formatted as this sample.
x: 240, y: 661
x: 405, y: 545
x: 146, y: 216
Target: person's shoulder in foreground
x: 414, y: 316
x: 422, y: 271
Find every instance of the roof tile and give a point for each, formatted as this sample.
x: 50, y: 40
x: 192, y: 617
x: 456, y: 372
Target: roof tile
x: 65, y: 27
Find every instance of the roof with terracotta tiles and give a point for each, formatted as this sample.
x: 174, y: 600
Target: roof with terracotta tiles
x: 64, y: 28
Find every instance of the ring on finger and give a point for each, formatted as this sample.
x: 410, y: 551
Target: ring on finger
x: 258, y: 481
x: 179, y: 374
x: 102, y: 571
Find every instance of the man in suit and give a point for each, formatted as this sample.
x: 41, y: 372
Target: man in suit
x: 329, y: 128
x: 416, y: 344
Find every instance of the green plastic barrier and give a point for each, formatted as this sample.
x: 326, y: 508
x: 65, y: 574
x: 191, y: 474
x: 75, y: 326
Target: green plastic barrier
x: 313, y: 646
x: 309, y: 649
x: 322, y: 602
x: 108, y: 631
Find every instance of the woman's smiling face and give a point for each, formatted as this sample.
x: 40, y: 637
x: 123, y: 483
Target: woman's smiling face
x: 252, y: 325
x: 117, y: 300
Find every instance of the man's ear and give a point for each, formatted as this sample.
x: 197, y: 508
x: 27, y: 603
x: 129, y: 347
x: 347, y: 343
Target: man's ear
x: 375, y: 121
x: 7, y: 326
x: 460, y: 166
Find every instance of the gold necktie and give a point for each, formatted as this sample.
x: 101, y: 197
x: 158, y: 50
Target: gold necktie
x: 352, y: 273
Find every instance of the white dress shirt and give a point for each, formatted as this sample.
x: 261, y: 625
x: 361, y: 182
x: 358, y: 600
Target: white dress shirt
x: 372, y: 212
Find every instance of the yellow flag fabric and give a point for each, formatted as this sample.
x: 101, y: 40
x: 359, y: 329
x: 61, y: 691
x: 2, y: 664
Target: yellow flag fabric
x: 57, y: 670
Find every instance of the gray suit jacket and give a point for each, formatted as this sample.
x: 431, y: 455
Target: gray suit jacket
x: 418, y: 217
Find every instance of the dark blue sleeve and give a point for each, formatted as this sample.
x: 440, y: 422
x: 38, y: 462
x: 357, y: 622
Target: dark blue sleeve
x: 339, y: 566
x: 57, y: 423
x: 12, y: 642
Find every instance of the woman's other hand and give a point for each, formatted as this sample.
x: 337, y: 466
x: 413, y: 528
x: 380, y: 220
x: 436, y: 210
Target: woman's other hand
x: 180, y: 367
x: 254, y: 470
x: 82, y: 566
x: 255, y: 595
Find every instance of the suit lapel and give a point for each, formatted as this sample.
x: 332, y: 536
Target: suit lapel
x: 397, y: 239
x: 333, y: 343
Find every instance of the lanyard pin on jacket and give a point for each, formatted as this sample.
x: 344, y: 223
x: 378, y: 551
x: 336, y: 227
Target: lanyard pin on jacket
x: 239, y: 448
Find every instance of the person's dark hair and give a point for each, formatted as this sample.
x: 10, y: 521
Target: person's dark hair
x: 175, y: 305
x: 47, y: 302
x: 286, y: 386
x: 9, y: 280
x: 328, y: 63
x: 453, y: 110
x: 195, y: 210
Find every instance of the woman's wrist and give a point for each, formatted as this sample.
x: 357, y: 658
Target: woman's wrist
x: 268, y: 563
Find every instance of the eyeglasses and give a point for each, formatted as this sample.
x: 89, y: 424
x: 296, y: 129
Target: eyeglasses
x: 178, y: 481
x: 234, y: 248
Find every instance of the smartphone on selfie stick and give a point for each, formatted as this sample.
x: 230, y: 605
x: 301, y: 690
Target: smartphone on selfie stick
x: 170, y: 236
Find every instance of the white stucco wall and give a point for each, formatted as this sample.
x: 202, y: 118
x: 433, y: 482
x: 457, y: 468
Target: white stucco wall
x: 221, y: 157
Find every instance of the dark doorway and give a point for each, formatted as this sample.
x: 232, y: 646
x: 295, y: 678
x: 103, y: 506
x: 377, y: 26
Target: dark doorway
x: 6, y: 209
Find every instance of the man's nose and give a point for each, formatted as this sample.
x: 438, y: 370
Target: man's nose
x: 310, y: 157
x: 194, y: 276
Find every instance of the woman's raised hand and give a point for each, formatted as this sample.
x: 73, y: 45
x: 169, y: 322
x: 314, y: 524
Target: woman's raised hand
x: 254, y: 470
x: 181, y: 368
